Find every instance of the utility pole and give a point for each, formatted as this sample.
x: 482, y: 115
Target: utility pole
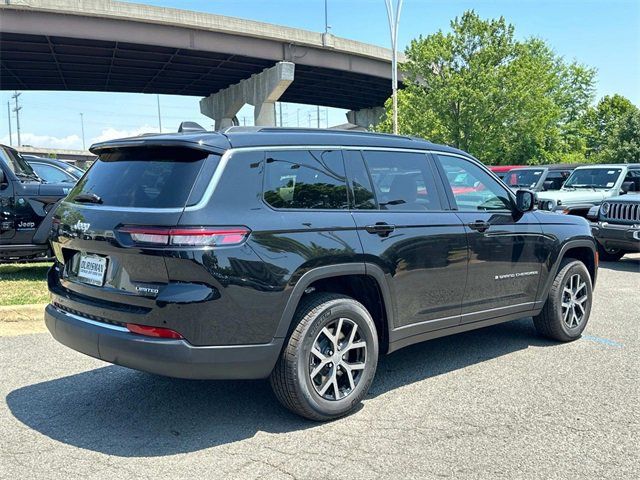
x: 309, y: 119
x: 82, y: 125
x: 9, y: 120
x: 318, y: 114
x: 17, y: 110
x: 280, y: 107
x: 394, y: 21
x: 159, y: 116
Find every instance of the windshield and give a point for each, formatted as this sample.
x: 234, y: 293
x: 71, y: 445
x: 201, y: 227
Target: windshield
x: 524, y: 178
x: 17, y: 164
x: 593, y: 178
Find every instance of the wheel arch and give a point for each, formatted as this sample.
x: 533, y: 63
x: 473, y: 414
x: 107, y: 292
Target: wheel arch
x: 584, y: 250
x: 339, y: 279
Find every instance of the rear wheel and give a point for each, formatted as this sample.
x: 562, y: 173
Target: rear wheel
x: 610, y: 254
x: 566, y: 311
x: 330, y: 359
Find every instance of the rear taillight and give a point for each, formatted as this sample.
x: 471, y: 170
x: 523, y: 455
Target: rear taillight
x: 187, y: 236
x: 157, y: 332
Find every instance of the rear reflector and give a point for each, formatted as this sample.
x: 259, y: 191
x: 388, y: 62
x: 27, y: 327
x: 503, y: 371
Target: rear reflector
x: 187, y: 237
x: 157, y: 332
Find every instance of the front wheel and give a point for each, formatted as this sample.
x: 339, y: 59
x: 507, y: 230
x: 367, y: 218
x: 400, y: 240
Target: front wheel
x: 330, y: 359
x: 566, y: 311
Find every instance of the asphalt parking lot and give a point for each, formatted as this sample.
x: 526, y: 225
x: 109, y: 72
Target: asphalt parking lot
x: 494, y: 403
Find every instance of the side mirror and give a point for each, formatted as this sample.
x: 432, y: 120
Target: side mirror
x: 627, y: 187
x: 548, y: 185
x: 593, y: 212
x: 3, y: 179
x: 525, y: 200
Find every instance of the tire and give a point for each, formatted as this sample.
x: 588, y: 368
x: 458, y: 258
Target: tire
x: 556, y: 321
x: 611, y: 254
x: 316, y: 322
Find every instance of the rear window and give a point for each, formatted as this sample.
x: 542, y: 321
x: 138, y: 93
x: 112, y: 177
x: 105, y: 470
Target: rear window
x: 145, y: 177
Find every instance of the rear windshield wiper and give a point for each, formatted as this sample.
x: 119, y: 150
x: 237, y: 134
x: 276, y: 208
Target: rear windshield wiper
x: 87, y: 198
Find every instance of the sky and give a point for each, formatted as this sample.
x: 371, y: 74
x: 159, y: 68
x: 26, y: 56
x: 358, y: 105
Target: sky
x: 603, y: 34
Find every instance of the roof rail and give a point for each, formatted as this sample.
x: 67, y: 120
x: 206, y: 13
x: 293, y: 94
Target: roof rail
x: 254, y: 129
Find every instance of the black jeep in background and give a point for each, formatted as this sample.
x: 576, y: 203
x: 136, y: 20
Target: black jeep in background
x: 617, y: 224
x: 26, y: 208
x: 301, y: 255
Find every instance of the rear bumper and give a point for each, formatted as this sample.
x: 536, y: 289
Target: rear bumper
x: 624, y: 237
x: 24, y: 251
x: 172, y: 358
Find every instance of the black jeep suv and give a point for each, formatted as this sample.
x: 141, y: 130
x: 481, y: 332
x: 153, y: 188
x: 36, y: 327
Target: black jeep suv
x: 301, y: 255
x: 617, y: 224
x: 26, y: 208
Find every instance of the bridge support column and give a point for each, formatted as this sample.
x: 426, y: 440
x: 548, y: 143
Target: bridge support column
x: 261, y: 90
x: 367, y: 117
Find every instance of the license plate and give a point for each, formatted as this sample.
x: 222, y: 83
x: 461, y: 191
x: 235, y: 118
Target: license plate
x: 92, y: 269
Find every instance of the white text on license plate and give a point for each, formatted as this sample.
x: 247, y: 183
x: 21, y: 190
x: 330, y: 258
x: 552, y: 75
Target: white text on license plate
x: 92, y: 269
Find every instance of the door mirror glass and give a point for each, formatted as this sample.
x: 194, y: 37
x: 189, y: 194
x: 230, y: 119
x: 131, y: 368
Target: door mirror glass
x: 525, y: 200
x: 548, y: 185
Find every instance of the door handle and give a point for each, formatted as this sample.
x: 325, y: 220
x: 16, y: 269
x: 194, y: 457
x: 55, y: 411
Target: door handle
x: 380, y: 228
x: 479, y: 225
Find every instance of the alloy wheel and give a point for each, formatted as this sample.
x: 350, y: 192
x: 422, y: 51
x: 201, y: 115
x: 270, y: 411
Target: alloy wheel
x: 337, y: 359
x: 574, y: 297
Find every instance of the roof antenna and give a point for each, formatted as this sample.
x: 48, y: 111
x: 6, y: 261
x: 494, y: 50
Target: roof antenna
x: 187, y: 127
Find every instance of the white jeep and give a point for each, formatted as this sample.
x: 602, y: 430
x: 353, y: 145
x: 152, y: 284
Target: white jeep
x: 590, y: 185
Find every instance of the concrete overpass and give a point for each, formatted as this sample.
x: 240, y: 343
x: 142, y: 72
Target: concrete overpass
x: 104, y: 45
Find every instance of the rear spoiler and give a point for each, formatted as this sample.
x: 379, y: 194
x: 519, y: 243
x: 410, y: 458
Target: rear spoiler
x: 200, y: 142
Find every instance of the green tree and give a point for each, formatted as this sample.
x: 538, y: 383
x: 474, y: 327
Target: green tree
x: 505, y: 101
x: 613, y: 131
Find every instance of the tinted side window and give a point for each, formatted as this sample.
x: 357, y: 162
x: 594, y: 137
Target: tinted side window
x: 557, y: 178
x: 473, y: 188
x: 634, y: 177
x: 305, y: 179
x: 360, y: 183
x: 402, y: 181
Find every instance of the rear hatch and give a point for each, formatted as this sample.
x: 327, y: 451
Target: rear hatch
x: 126, y: 189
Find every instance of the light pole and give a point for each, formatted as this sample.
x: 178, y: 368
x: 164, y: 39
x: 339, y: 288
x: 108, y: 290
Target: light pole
x: 394, y: 21
x: 82, y: 126
x: 159, y: 115
x: 326, y: 17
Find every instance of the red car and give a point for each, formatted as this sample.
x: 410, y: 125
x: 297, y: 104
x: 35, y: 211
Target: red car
x: 502, y: 170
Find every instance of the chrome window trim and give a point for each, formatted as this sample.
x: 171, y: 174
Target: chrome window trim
x: 226, y: 156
